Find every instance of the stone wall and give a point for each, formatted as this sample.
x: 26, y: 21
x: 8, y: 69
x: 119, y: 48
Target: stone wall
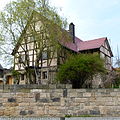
x: 17, y: 87
x: 61, y: 102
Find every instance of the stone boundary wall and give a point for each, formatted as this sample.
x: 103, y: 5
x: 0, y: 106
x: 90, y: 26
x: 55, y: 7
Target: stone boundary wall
x: 18, y: 87
x: 61, y: 102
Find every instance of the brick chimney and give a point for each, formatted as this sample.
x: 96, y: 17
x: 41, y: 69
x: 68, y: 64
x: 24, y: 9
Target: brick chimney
x: 72, y: 31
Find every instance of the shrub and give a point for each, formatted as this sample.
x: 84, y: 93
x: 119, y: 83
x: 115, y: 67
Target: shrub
x: 79, y: 68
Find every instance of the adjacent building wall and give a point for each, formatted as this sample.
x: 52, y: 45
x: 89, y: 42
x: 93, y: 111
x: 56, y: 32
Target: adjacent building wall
x: 61, y: 102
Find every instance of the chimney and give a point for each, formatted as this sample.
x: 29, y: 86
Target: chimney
x: 72, y: 31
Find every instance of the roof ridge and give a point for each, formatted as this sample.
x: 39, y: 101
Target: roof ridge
x: 95, y: 39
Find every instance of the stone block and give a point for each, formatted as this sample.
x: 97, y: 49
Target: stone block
x: 63, y: 102
x: 53, y: 112
x: 4, y: 95
x: 98, y: 94
x: 81, y: 90
x: 11, y: 100
x: 44, y: 100
x: 71, y: 90
x: 52, y: 86
x: 102, y: 110
x: 101, y: 90
x: 79, y: 94
x: 19, y: 94
x: 40, y: 113
x: 24, y: 104
x: 32, y: 104
x: 104, y: 99
x: 6, y: 113
x: 30, y: 112
x: 68, y: 86
x: 60, y: 86
x: 3, y: 100
x: 56, y: 95
x: 23, y: 112
x: 1, y: 104
x: 55, y: 99
x: 36, y: 90
x: 116, y: 90
x: 87, y: 94
x: 72, y: 94
x: 26, y: 100
x: 65, y: 93
x: 10, y: 104
x: 81, y: 112
x: 37, y: 97
x: 113, y: 94
x: 44, y: 95
x: 81, y: 100
x: 1, y: 112
x: 110, y: 103
x: 94, y: 112
x: 19, y: 99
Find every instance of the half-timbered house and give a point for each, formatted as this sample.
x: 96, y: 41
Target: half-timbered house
x: 44, y: 59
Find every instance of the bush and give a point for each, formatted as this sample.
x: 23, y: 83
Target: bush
x: 79, y: 68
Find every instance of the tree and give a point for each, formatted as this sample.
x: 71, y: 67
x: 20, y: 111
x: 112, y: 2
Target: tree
x: 16, y: 15
x: 80, y: 68
x: 16, y: 18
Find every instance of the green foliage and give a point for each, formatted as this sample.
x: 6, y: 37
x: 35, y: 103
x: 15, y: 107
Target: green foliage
x: 15, y: 73
x: 80, y: 68
x: 15, y: 17
x: 116, y: 82
x: 16, y: 76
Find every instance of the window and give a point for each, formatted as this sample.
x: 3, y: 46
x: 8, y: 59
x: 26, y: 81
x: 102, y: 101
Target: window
x: 32, y: 38
x: 44, y: 75
x: 21, y: 58
x: 22, y: 76
x: 44, y: 55
x: 30, y: 45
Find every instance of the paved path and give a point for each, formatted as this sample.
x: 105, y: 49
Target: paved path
x: 78, y: 118
x: 95, y: 118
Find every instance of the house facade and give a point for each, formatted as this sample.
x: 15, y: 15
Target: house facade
x: 43, y: 60
x: 6, y: 76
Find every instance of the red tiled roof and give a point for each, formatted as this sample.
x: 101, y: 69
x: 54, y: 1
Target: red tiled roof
x: 91, y: 44
x: 70, y: 45
x: 80, y: 45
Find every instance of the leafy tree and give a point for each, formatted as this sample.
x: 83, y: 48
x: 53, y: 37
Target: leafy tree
x: 116, y: 83
x: 13, y: 21
x: 15, y: 17
x: 80, y: 68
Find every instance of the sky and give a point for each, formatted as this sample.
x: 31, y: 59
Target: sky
x: 92, y: 18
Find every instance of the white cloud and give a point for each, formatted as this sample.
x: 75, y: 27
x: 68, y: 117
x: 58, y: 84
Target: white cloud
x: 3, y: 3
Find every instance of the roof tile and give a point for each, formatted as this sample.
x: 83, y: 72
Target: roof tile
x: 80, y: 45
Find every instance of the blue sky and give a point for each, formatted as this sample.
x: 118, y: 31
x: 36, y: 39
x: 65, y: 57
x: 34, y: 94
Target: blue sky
x: 92, y: 18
